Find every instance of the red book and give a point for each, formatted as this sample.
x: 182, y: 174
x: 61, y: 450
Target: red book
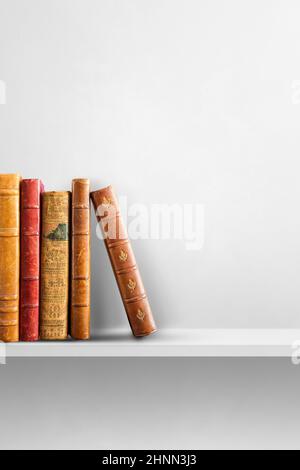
x: 31, y: 190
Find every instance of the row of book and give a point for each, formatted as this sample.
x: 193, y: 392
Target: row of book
x: 45, y: 254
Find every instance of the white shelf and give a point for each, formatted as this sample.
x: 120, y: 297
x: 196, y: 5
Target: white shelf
x: 169, y: 343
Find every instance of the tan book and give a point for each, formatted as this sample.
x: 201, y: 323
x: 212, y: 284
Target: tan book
x: 9, y: 257
x: 123, y: 262
x: 81, y: 260
x: 55, y: 266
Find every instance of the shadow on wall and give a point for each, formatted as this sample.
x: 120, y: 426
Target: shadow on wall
x: 107, y: 309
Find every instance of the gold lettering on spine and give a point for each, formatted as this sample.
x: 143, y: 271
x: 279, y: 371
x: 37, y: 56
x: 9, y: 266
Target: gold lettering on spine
x: 140, y: 314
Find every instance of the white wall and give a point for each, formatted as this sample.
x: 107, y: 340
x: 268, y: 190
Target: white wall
x: 171, y: 101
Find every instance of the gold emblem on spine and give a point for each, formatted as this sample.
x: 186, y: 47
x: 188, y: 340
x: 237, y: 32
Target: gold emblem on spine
x: 131, y: 285
x: 140, y: 314
x: 106, y: 201
x: 123, y: 255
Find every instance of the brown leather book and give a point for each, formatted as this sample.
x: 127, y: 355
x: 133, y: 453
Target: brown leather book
x: 55, y: 266
x: 123, y: 262
x: 9, y: 257
x: 81, y: 260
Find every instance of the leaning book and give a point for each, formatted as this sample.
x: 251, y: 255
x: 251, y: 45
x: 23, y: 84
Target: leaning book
x: 55, y: 266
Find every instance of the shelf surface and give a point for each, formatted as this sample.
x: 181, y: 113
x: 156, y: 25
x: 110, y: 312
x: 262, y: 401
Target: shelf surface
x: 169, y: 343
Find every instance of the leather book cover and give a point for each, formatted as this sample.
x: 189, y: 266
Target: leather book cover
x: 9, y: 257
x: 55, y: 266
x: 123, y: 262
x: 30, y: 258
x: 81, y: 259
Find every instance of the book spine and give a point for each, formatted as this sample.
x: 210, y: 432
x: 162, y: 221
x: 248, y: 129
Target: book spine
x: 123, y: 262
x: 30, y: 259
x: 54, y: 266
x: 9, y: 257
x: 80, y: 282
